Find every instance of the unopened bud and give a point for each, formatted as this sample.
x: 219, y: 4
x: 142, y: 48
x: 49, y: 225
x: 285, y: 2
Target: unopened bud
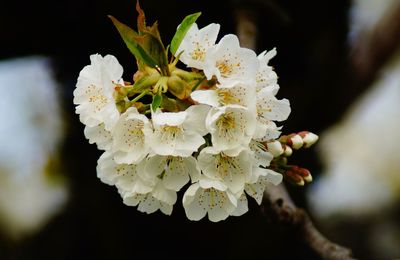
x: 296, y: 142
x: 308, y: 138
x: 287, y: 151
x: 294, y: 178
x: 304, y: 173
x: 275, y: 148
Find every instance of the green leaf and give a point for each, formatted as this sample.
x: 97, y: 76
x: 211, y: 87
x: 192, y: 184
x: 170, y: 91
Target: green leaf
x: 130, y: 38
x: 157, y: 99
x: 155, y: 49
x: 182, y: 30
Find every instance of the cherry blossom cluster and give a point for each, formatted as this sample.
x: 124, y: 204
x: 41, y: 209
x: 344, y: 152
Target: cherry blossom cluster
x: 204, y: 129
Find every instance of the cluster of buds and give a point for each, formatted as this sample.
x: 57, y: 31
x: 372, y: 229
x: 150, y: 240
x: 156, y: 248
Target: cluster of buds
x: 208, y: 129
x: 283, y: 148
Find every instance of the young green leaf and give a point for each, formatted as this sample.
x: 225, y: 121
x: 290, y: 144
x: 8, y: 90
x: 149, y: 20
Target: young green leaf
x: 182, y: 30
x: 130, y: 38
x: 157, y: 99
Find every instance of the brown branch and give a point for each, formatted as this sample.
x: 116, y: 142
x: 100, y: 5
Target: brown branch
x: 277, y: 202
x: 278, y: 205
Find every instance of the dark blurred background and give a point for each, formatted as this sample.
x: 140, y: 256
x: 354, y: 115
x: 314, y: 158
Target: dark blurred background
x: 315, y: 74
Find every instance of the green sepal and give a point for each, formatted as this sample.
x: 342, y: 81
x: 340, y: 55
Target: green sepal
x: 145, y: 82
x: 173, y: 105
x: 182, y: 30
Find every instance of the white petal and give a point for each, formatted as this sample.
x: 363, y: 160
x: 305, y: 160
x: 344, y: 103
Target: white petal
x: 208, y: 97
x: 230, y: 63
x: 169, y: 118
x: 176, y: 173
x: 242, y: 206
x: 129, y: 144
x: 273, y: 177
x: 193, y: 203
x: 164, y: 195
x: 270, y: 108
x: 98, y: 135
x: 196, y: 43
x: 207, y: 183
x: 149, y: 204
x: 260, y: 154
x: 256, y: 190
x: 232, y: 171
x: 196, y: 119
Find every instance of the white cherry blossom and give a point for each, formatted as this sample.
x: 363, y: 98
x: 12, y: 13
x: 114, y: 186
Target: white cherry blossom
x: 231, y: 128
x: 174, y: 171
x: 158, y: 198
x: 198, y: 201
x: 266, y: 176
x: 94, y: 91
x: 233, y: 171
x: 98, y: 135
x: 260, y: 155
x: 237, y: 94
x: 172, y: 136
x: 146, y: 203
x: 230, y: 63
x: 129, y: 141
x: 266, y: 130
x: 269, y: 108
x: 266, y: 76
x: 196, y: 43
x: 124, y: 176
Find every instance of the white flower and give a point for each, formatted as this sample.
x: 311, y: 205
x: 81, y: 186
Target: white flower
x: 238, y: 94
x: 124, y: 176
x: 198, y: 201
x: 173, y: 136
x: 233, y: 171
x: 147, y: 203
x: 173, y: 171
x: 94, y: 92
x: 98, y: 135
x: 266, y: 131
x: 158, y: 198
x: 231, y: 127
x: 129, y: 144
x: 260, y: 155
x: 266, y: 176
x: 270, y: 108
x: 230, y: 63
x: 196, y: 43
x: 266, y: 76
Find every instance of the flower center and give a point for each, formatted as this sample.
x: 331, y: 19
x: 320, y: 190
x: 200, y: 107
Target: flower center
x: 226, y: 97
x: 170, y: 132
x: 225, y: 68
x: 198, y: 53
x: 226, y: 122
